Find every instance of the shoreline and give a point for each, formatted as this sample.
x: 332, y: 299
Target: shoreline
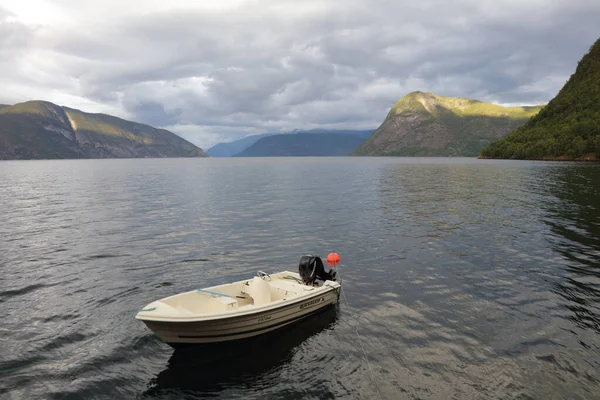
x: 580, y: 160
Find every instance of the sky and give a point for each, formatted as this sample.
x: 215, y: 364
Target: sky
x: 220, y: 70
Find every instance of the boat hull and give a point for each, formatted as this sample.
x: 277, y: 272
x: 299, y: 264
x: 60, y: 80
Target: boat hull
x: 242, y: 326
x: 263, y: 338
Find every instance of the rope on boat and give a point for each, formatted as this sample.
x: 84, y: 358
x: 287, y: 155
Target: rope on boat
x: 215, y: 293
x: 293, y: 278
x: 373, y: 380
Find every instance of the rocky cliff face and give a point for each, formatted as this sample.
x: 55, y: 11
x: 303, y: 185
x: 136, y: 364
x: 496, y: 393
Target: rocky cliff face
x: 40, y: 130
x: 423, y: 124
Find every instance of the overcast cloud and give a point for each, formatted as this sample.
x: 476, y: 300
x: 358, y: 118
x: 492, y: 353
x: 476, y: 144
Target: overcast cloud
x: 219, y: 70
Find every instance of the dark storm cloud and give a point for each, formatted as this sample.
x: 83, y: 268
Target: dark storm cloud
x: 270, y: 65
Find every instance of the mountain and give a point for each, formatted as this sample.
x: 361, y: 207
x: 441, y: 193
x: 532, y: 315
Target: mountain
x: 41, y: 130
x: 303, y: 144
x: 424, y: 124
x: 231, y: 149
x: 360, y: 133
x: 568, y: 128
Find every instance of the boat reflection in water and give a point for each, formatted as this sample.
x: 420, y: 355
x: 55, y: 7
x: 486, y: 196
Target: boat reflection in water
x: 212, y: 368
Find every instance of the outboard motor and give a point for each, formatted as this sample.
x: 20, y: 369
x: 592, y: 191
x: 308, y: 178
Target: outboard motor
x: 311, y: 268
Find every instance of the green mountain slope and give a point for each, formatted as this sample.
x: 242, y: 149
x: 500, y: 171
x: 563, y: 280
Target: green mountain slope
x: 568, y: 128
x: 41, y: 130
x: 424, y: 124
x: 303, y: 144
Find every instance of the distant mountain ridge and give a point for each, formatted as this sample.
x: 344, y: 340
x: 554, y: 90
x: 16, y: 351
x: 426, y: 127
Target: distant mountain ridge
x: 303, y: 144
x: 229, y: 149
x: 237, y: 147
x: 568, y: 128
x: 41, y: 130
x: 425, y: 124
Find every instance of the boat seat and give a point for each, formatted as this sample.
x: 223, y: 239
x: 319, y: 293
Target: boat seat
x: 289, y: 287
x: 223, y: 303
x: 259, y: 290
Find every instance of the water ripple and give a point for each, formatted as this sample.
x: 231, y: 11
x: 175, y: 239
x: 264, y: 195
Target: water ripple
x: 462, y: 278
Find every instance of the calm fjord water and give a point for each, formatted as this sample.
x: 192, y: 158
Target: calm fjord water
x: 464, y: 278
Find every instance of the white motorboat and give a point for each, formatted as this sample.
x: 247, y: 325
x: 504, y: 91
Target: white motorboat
x: 238, y: 310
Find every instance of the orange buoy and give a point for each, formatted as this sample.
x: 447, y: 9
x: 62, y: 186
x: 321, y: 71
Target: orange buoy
x: 333, y: 259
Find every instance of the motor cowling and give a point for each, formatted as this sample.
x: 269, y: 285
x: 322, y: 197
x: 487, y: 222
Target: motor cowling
x: 311, y: 268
